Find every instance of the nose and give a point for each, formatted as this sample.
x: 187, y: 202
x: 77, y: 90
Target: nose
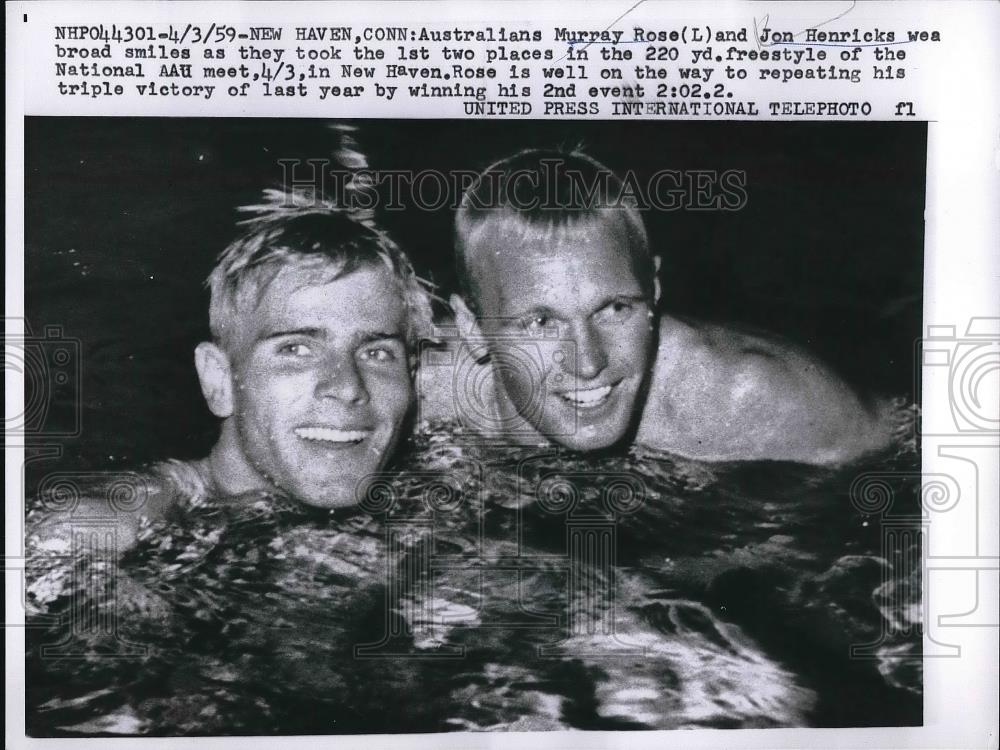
x: 342, y: 381
x: 591, y: 353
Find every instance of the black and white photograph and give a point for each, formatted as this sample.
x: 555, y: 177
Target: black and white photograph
x: 381, y: 426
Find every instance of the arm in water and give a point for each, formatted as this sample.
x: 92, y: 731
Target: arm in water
x: 123, y: 503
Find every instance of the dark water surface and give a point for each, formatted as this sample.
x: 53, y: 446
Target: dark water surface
x: 500, y: 589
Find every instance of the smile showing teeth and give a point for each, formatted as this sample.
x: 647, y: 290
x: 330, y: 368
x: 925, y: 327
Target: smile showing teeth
x: 589, y: 397
x: 330, y: 435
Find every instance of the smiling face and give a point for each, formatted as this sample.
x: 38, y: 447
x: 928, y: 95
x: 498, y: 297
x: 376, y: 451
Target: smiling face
x: 583, y: 387
x: 320, y: 385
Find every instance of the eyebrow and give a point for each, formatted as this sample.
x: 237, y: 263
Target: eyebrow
x: 319, y: 333
x: 549, y: 312
x: 618, y: 298
x: 537, y: 310
x: 316, y: 333
x: 380, y: 336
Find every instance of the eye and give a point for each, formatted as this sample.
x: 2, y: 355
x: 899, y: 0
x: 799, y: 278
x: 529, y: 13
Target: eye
x: 616, y: 312
x: 295, y: 349
x: 536, y: 322
x: 378, y: 354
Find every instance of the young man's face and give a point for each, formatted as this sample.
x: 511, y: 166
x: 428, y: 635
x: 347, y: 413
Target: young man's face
x: 585, y: 389
x: 321, y: 383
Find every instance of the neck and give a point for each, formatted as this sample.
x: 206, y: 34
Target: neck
x: 674, y: 337
x: 228, y: 467
x: 502, y: 410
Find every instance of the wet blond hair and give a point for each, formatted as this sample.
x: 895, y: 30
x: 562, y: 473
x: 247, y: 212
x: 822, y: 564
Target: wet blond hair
x: 299, y: 230
x: 541, y: 195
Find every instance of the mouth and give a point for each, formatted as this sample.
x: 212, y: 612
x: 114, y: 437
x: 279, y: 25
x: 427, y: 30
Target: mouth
x: 332, y: 435
x: 588, y: 398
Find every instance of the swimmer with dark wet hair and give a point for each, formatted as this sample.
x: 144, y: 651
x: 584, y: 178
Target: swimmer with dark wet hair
x: 315, y: 315
x: 572, y: 285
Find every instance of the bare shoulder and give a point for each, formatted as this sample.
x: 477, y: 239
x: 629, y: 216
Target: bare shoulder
x: 112, y: 501
x: 766, y: 363
x: 738, y: 394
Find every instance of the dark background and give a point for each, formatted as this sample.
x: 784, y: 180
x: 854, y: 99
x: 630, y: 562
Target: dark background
x: 124, y: 218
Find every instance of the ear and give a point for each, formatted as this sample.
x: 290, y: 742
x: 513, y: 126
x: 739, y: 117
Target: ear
x: 656, y: 279
x: 468, y: 325
x: 215, y: 376
x: 468, y: 329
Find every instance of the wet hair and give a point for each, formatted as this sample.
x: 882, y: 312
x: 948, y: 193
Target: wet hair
x: 298, y: 230
x: 540, y: 195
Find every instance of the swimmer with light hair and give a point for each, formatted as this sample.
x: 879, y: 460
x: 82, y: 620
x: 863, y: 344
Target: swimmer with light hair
x: 559, y: 302
x: 315, y: 315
